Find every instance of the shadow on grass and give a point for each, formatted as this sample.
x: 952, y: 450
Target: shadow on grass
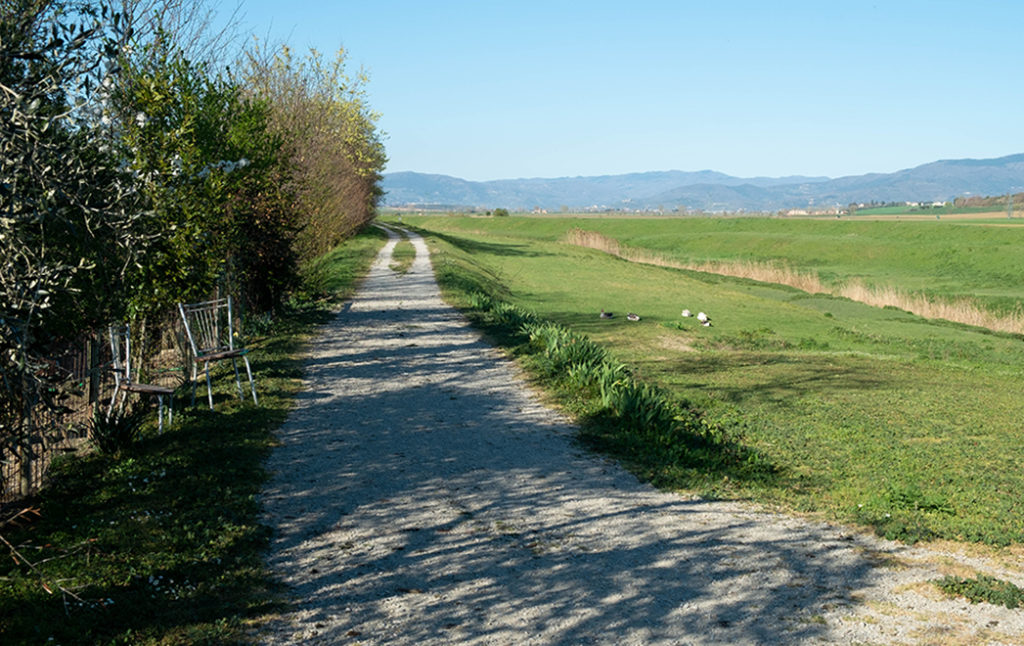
x: 771, y: 377
x: 163, y: 543
x: 492, y: 248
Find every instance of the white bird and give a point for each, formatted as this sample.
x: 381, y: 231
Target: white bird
x: 632, y: 317
x: 706, y: 323
x: 687, y: 313
x: 702, y: 317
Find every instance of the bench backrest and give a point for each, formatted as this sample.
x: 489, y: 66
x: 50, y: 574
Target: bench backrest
x: 209, y: 325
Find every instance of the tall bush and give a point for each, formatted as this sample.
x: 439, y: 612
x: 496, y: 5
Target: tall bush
x: 330, y: 135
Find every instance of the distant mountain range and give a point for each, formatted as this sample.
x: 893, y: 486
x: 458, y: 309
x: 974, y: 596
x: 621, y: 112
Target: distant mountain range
x: 709, y: 190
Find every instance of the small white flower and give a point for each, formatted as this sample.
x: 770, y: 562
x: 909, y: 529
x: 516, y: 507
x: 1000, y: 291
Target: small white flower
x: 141, y: 119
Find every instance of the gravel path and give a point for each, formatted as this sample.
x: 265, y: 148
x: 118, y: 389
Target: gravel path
x: 422, y: 495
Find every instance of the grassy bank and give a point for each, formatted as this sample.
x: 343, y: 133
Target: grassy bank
x: 870, y: 415
x: 965, y: 259
x: 162, y: 545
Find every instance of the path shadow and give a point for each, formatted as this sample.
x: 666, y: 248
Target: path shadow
x: 422, y: 497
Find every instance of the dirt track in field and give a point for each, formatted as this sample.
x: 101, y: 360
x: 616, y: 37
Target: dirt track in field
x: 422, y: 495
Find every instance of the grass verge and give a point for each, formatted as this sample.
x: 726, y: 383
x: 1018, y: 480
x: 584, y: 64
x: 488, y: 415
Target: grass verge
x: 870, y: 416
x: 162, y: 544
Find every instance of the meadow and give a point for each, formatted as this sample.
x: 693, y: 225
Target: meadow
x: 873, y: 416
x: 976, y: 259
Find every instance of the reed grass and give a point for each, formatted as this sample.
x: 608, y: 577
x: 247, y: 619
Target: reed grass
x: 959, y: 310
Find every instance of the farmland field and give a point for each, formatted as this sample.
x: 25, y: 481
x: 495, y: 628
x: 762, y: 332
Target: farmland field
x: 870, y: 415
x: 980, y: 259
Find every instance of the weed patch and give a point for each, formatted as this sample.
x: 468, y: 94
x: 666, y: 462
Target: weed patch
x: 116, y: 433
x: 983, y: 588
x: 402, y: 257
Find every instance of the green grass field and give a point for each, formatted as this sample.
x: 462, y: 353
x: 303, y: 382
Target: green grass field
x: 872, y: 416
x: 977, y: 259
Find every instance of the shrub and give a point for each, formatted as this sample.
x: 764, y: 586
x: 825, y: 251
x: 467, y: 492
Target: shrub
x: 70, y: 220
x: 114, y: 435
x: 215, y: 175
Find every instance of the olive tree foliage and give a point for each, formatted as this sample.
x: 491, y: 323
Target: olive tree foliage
x: 69, y: 215
x: 137, y: 172
x: 329, y: 134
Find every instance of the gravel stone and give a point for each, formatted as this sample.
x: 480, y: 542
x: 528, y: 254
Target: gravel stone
x: 421, y: 494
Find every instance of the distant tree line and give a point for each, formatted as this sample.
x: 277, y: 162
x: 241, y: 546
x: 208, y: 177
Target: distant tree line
x: 136, y: 170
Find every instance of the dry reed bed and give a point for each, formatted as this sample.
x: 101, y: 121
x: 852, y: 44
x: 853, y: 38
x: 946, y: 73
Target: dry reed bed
x: 956, y: 310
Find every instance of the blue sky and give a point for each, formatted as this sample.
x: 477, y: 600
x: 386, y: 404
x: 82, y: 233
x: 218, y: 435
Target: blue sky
x: 495, y: 90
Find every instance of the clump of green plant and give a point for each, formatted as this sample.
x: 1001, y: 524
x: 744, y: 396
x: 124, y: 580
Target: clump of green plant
x: 501, y: 315
x: 904, y: 512
x: 512, y: 317
x: 621, y: 413
x: 480, y: 301
x: 402, y: 257
x: 983, y: 588
x: 115, y: 434
x: 564, y: 349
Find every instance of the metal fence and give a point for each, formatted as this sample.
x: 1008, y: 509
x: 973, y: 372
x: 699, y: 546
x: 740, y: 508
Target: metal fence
x: 83, y: 366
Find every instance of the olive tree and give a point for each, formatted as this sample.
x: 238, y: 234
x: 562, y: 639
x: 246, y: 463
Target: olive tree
x: 69, y: 215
